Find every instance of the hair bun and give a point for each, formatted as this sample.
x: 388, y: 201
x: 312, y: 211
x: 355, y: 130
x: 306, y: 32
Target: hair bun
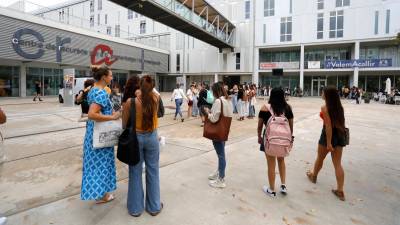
x: 94, y: 68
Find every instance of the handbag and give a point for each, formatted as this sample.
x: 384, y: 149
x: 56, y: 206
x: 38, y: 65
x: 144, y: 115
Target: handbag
x: 347, y: 136
x: 106, y: 134
x: 218, y: 131
x: 128, y: 145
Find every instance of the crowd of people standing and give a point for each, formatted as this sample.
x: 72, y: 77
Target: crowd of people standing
x: 216, y: 105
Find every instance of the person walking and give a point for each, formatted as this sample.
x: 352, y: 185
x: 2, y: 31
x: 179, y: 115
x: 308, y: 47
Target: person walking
x: 217, y: 179
x: 246, y: 95
x: 178, y: 96
x: 38, y: 90
x: 332, y: 139
x: 195, y: 91
x: 203, y: 104
x: 146, y: 103
x: 277, y: 107
x: 190, y: 96
x: 234, y: 97
x: 241, y: 103
x: 252, y: 102
x: 98, y: 172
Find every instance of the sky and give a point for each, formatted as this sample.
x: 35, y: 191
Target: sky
x: 32, y: 4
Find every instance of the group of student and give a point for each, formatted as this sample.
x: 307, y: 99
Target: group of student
x: 99, y: 173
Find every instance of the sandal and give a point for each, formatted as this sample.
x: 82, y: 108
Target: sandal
x: 156, y: 213
x: 106, y: 199
x: 311, y: 177
x: 339, y: 194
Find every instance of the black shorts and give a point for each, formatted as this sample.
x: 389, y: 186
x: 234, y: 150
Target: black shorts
x: 338, y: 139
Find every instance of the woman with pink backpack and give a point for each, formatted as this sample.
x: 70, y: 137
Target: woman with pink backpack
x: 277, y: 139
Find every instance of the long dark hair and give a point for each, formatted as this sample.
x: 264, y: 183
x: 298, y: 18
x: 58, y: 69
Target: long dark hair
x: 219, y: 90
x: 132, y: 84
x: 149, y: 102
x: 334, y: 107
x: 277, y: 101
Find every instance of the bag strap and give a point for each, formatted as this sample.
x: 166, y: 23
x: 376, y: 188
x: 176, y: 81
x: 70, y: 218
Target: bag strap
x: 132, y: 115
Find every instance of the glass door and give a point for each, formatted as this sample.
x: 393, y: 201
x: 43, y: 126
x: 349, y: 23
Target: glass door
x: 317, y: 86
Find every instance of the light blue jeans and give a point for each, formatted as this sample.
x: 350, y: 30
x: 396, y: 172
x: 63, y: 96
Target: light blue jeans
x: 149, y: 149
x: 219, y: 147
x: 178, y: 103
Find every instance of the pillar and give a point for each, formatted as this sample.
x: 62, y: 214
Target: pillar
x: 302, y: 67
x: 216, y: 77
x: 184, y: 81
x: 356, y: 57
x: 256, y: 63
x: 22, y: 80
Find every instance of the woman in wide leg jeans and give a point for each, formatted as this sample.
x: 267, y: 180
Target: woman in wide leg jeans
x: 146, y: 104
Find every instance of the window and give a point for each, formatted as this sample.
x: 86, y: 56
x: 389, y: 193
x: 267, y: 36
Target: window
x: 142, y: 27
x: 336, y: 24
x: 117, y: 30
x: 247, y: 9
x: 105, y: 19
x: 320, y: 4
x: 376, y: 22
x: 237, y: 61
x: 91, y: 6
x: 99, y: 4
x: 290, y: 6
x: 269, y: 7
x: 98, y: 19
x: 10, y: 76
x: 341, y: 3
x: 320, y: 26
x: 130, y: 14
x: 286, y: 29
x: 91, y: 21
x: 264, y: 33
x: 387, y: 29
x: 109, y: 30
x: 178, y: 62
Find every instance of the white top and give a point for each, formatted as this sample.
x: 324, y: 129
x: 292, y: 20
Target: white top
x: 213, y: 116
x: 178, y: 94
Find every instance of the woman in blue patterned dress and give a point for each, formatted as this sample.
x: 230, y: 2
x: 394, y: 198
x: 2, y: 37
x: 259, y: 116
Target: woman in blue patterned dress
x: 98, y: 173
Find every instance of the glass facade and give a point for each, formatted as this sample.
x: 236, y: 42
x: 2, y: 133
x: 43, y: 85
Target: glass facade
x: 9, y: 81
x: 387, y: 52
x: 326, y: 54
x: 290, y: 81
x: 51, y: 80
x: 282, y: 56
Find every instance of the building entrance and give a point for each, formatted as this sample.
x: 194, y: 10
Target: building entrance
x: 317, y: 86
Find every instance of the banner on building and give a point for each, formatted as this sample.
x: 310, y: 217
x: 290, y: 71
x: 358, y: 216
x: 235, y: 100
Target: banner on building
x: 360, y: 63
x: 284, y: 65
x: 314, y: 64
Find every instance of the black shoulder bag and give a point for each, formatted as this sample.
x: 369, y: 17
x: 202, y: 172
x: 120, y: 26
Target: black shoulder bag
x: 128, y: 146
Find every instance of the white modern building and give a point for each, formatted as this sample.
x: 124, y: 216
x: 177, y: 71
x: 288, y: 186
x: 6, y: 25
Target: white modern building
x: 315, y: 42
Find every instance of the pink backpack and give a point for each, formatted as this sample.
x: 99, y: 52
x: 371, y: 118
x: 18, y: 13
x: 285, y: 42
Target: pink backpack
x: 278, y: 136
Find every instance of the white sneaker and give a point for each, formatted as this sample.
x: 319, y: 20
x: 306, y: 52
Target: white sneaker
x: 3, y: 220
x: 269, y: 192
x: 283, y: 189
x: 218, y: 183
x: 214, y: 175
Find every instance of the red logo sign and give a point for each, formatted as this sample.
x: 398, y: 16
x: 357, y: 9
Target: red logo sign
x: 105, y: 53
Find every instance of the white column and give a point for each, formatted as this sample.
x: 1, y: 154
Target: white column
x: 256, y: 63
x: 356, y: 56
x: 184, y: 81
x: 302, y: 67
x: 216, y: 77
x: 22, y: 81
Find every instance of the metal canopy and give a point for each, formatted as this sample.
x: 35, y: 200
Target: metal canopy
x: 193, y: 17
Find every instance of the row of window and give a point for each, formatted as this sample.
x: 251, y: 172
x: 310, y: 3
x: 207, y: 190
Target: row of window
x: 178, y: 62
x: 117, y: 27
x: 269, y: 6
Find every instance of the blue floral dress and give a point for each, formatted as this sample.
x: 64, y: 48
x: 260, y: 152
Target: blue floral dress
x: 98, y: 172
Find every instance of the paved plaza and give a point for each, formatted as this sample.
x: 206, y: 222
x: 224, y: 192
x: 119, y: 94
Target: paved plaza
x: 40, y: 181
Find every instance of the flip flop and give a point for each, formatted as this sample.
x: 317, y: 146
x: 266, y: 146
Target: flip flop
x: 311, y: 177
x: 339, y: 194
x: 108, y: 199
